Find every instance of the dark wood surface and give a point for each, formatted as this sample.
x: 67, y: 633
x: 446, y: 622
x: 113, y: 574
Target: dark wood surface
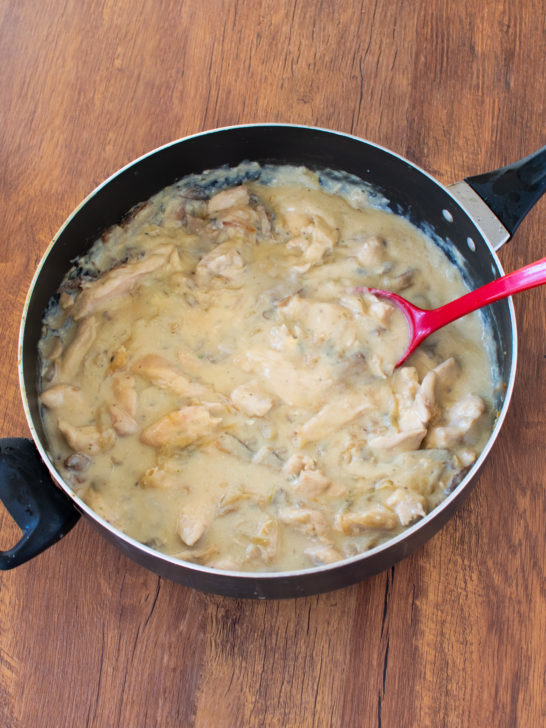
x: 453, y: 635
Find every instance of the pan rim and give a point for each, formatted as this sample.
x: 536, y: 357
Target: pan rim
x: 264, y: 576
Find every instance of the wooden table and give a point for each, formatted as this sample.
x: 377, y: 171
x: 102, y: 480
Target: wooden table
x: 453, y: 635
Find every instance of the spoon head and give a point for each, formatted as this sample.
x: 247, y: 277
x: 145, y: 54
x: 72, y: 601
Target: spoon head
x: 409, y: 311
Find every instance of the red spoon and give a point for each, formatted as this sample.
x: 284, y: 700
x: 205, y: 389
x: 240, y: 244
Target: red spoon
x: 422, y: 323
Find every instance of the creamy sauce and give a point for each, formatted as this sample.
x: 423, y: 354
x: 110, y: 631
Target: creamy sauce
x: 216, y: 384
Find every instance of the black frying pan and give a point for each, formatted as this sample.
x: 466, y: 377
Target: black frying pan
x: 473, y: 217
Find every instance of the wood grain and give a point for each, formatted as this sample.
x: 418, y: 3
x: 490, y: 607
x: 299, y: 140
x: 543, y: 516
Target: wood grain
x: 453, y: 635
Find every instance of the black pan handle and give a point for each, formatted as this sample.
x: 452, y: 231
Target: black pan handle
x: 42, y: 512
x: 511, y: 191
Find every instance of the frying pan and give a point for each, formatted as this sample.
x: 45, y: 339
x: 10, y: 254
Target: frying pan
x: 470, y: 220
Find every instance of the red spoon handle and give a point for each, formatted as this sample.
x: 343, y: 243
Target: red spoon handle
x: 529, y: 276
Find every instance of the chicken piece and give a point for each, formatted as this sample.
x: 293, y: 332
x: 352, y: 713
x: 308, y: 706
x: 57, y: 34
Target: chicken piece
x: 323, y: 554
x: 232, y: 499
x: 333, y: 415
x: 223, y: 260
x: 265, y: 543
x: 379, y: 365
x: 397, y: 442
x: 66, y: 301
x: 304, y: 476
x: 193, y: 522
x: 417, y: 414
x: 323, y: 321
x: 317, y: 239
x: 466, y: 456
x: 407, y: 505
x: 353, y: 302
x: 249, y: 399
x: 296, y: 463
x: 368, y: 305
x: 63, y: 396
x: 267, y: 456
x: 296, y: 386
x: 379, y: 310
x: 420, y: 471
x: 180, y: 428
x: 200, y: 556
x: 122, y: 422
x: 447, y: 372
x: 237, y: 222
x: 281, y: 339
x: 107, y: 290
x: 52, y: 348
x: 409, y: 419
x: 174, y: 211
x: 216, y: 407
x: 76, y: 351
x: 125, y: 392
x: 444, y: 437
x: 226, y: 563
x: 425, y: 399
x: 235, y: 196
x: 87, y: 439
x: 164, y: 476
x: 164, y: 375
x: 311, y: 482
x: 174, y: 262
x: 190, y: 362
x: 310, y: 522
x: 376, y: 516
x: 460, y: 418
x: 466, y: 411
x: 372, y: 252
x: 405, y: 385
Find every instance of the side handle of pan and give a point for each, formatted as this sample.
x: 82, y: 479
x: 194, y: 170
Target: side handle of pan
x: 513, y: 190
x: 39, y: 508
x: 509, y: 193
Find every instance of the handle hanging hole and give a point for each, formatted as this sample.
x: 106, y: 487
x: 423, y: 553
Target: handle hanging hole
x: 10, y: 533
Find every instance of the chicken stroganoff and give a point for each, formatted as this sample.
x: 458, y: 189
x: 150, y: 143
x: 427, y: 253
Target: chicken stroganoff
x: 216, y: 384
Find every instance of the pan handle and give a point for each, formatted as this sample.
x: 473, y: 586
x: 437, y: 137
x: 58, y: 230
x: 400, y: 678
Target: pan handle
x: 510, y: 192
x: 42, y: 512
